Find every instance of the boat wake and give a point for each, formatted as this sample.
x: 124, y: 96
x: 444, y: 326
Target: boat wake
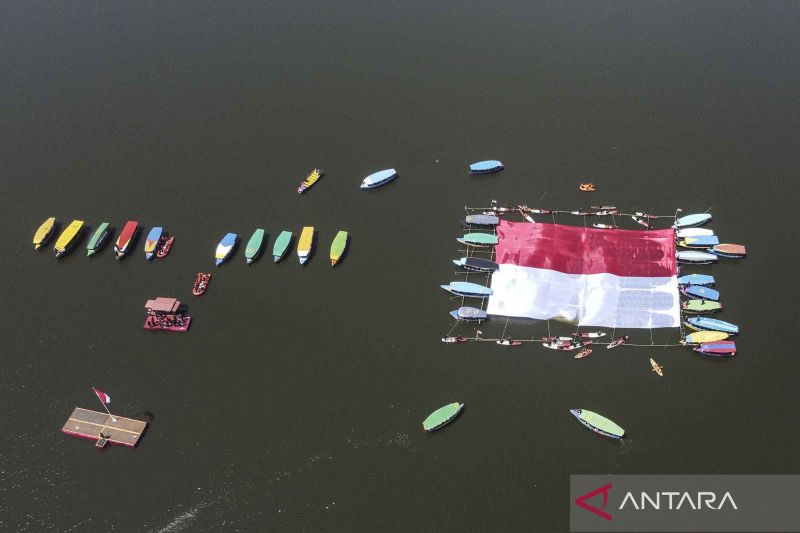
x: 185, y: 519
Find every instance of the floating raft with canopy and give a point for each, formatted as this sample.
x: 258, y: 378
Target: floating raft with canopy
x: 103, y: 428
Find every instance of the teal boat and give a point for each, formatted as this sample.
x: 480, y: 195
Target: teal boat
x: 442, y: 416
x: 254, y: 245
x: 281, y: 245
x: 98, y: 239
x: 479, y: 239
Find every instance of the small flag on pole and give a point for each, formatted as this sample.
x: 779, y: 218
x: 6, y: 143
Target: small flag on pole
x: 105, y: 398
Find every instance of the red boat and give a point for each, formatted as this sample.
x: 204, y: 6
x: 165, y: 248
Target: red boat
x: 164, y: 246
x: 201, y: 283
x: 509, y: 342
x: 617, y: 342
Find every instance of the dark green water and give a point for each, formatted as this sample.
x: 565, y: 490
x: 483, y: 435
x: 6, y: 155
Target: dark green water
x: 295, y: 402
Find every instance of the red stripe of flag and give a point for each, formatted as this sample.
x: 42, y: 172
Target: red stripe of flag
x: 579, y: 250
x: 105, y: 398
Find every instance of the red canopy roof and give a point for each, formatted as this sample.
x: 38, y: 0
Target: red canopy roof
x: 163, y: 305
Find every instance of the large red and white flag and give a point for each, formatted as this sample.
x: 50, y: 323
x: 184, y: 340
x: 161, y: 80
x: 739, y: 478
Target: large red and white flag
x: 591, y: 277
x: 105, y: 398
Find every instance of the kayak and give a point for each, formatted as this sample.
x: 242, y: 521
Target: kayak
x: 583, y: 353
x: 658, y: 369
x: 281, y: 245
x: 442, y: 416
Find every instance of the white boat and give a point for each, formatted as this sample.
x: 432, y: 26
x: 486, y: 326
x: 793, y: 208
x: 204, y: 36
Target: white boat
x: 694, y: 232
x: 688, y: 221
x: 700, y: 258
x: 379, y: 178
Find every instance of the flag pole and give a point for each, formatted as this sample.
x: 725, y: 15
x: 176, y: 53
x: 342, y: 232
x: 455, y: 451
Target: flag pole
x: 104, y: 406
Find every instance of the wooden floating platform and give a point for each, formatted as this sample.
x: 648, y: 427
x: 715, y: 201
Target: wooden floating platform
x: 91, y: 424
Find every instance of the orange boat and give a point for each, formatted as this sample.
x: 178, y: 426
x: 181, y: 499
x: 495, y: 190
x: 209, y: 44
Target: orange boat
x: 587, y: 187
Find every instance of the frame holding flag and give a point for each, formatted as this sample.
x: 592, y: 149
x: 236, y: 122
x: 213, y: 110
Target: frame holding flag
x: 586, y: 276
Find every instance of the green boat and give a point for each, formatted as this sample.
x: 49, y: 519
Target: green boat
x: 98, y: 238
x: 442, y: 416
x: 254, y: 245
x: 338, y: 246
x: 281, y: 245
x: 598, y: 423
x: 701, y: 306
x: 478, y: 239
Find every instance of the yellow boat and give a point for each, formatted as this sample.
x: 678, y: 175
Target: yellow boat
x: 310, y: 180
x: 67, y: 237
x: 305, y: 244
x: 699, y: 337
x: 658, y: 369
x: 44, y: 233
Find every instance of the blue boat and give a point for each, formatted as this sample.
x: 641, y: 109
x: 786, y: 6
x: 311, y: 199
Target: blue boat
x: 696, y: 279
x: 225, y: 248
x: 464, y: 288
x: 151, y: 243
x: 379, y: 178
x: 486, y: 167
x: 469, y: 313
x: 701, y: 241
x: 697, y: 291
x: 476, y: 264
x: 690, y: 221
x: 702, y: 323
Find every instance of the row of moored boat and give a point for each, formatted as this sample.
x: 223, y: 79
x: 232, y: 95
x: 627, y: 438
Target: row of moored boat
x: 159, y: 243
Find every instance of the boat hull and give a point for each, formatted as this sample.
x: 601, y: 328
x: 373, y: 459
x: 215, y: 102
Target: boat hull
x: 486, y: 167
x: 68, y: 238
x: 281, y: 245
x: 254, y: 246
x: 704, y: 280
x: 151, y: 242
x: 698, y: 291
x: 598, y: 423
x: 150, y: 325
x: 690, y: 221
x: 338, y: 247
x: 378, y: 179
x: 442, y: 416
x: 225, y: 248
x: 126, y: 239
x: 305, y: 245
x: 701, y: 306
x: 711, y: 324
x: 470, y: 290
x: 44, y: 233
x: 717, y: 349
